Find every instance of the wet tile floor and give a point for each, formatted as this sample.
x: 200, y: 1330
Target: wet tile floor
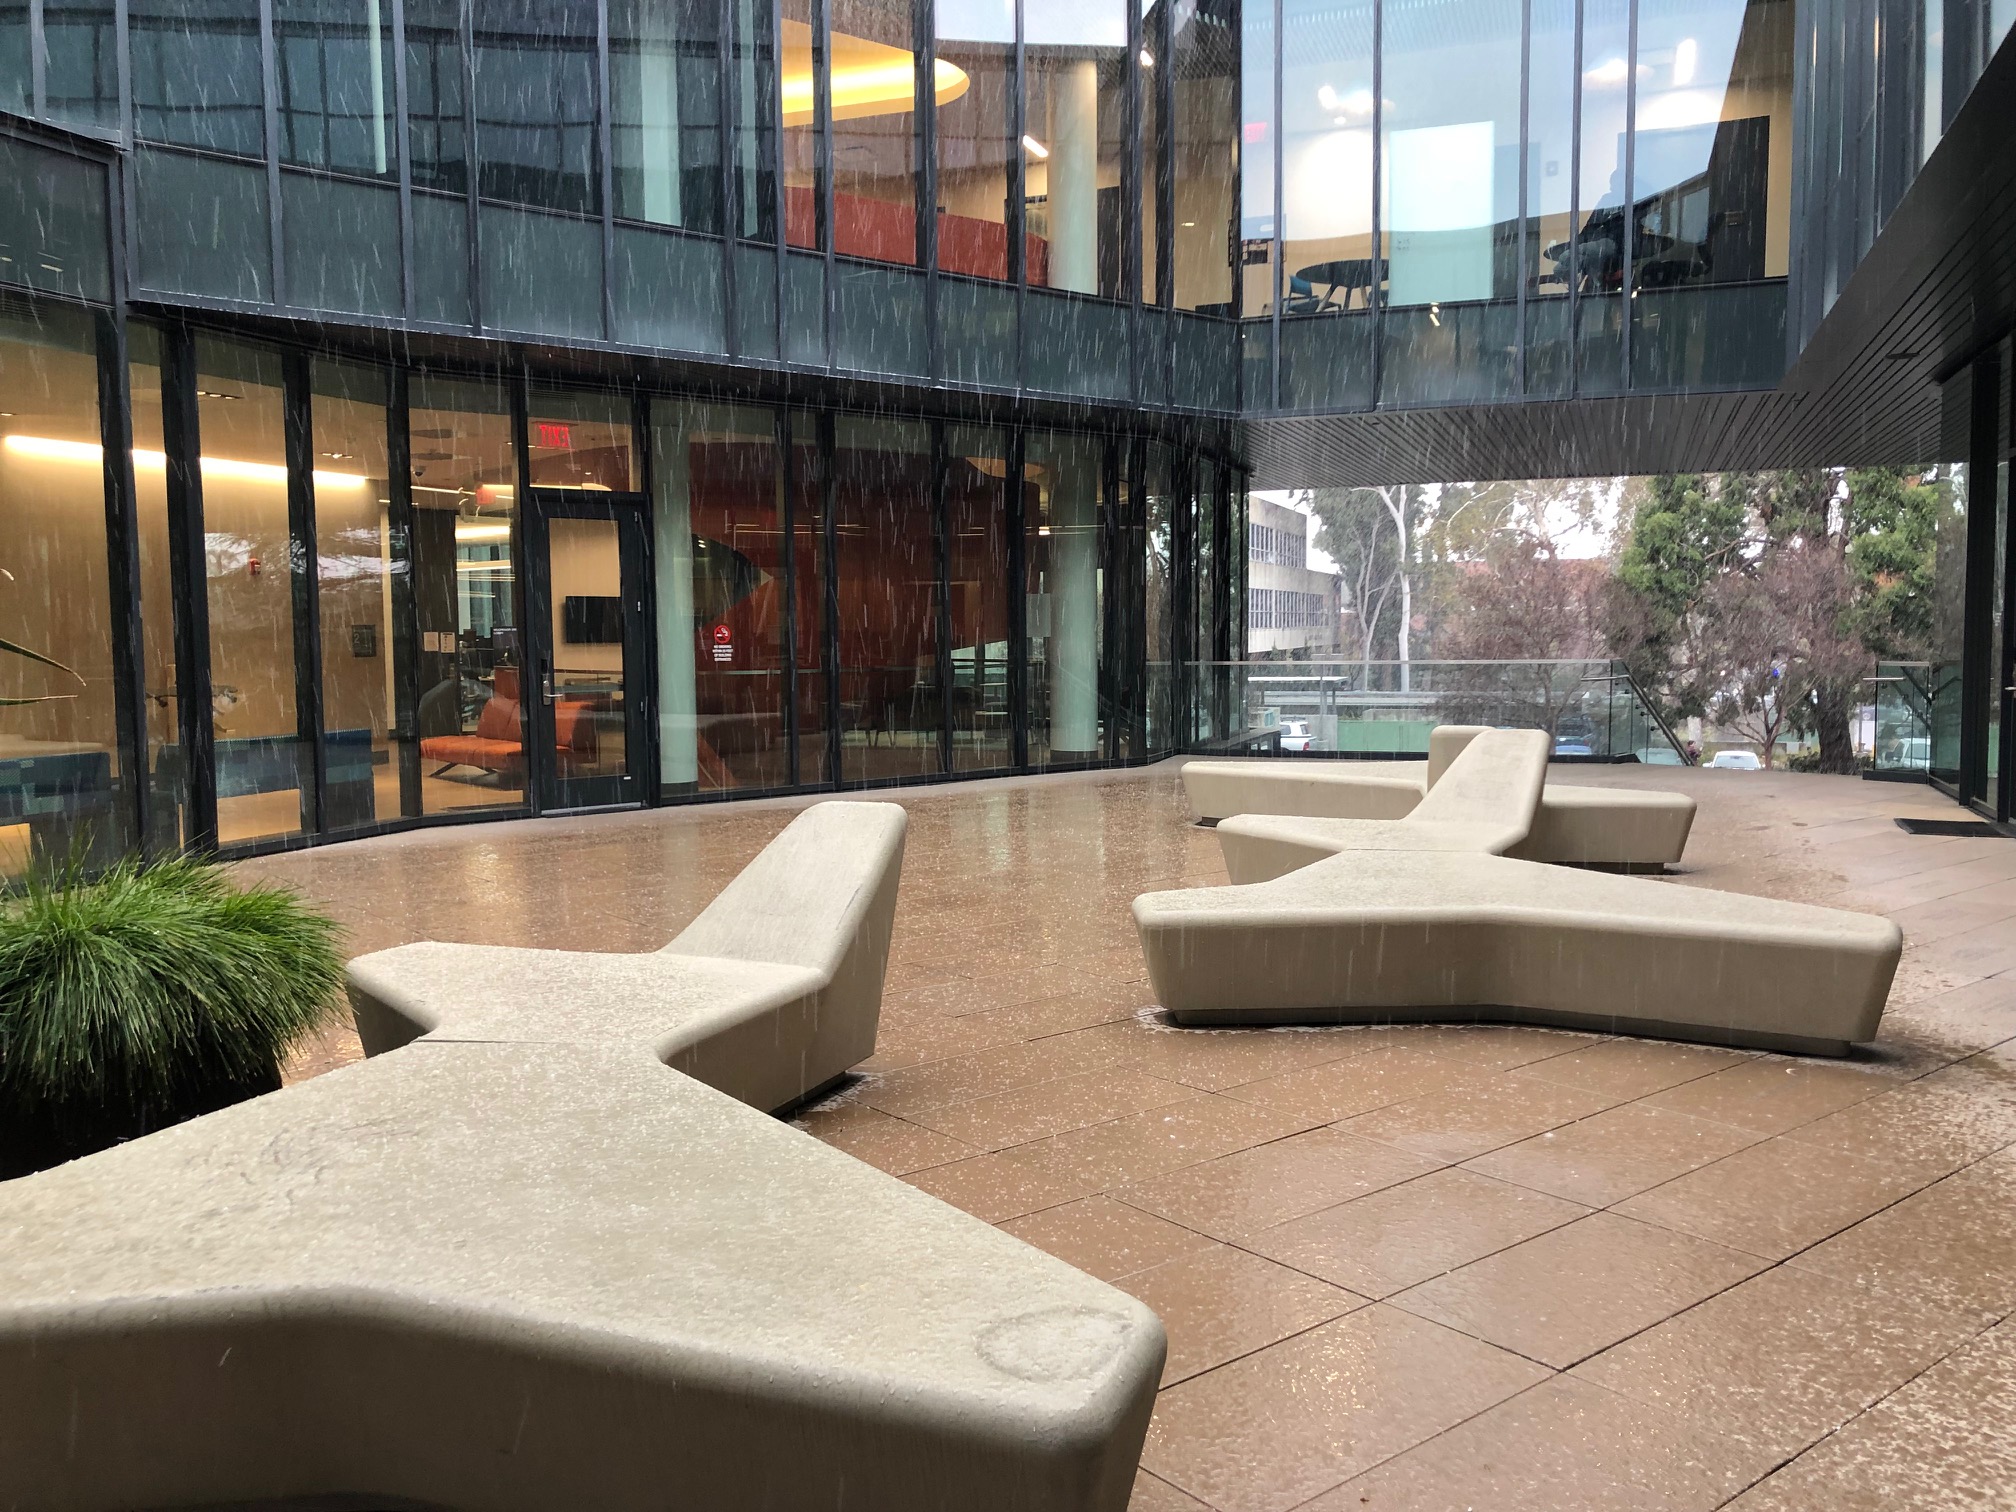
x: 1406, y: 1268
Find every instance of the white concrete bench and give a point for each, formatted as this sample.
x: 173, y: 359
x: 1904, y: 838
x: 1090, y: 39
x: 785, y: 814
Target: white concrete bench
x: 1483, y: 803
x: 1379, y: 936
x: 1618, y: 828
x: 517, y: 1264
x: 771, y: 994
x: 529, y: 1277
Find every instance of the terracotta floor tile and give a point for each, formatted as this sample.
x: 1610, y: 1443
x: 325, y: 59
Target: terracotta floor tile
x: 1105, y: 1238
x: 996, y: 1186
x: 1780, y: 1360
x: 1269, y: 1431
x: 1376, y: 1079
x: 1562, y: 1446
x: 1469, y: 1121
x: 1159, y: 1140
x: 1037, y: 1111
x: 1774, y: 1198
x: 1610, y: 1155
x: 1215, y: 1059
x: 1005, y: 1068
x: 1951, y: 1246
x: 1574, y: 1290
x: 888, y: 1144
x: 1928, y: 1129
x: 1772, y: 1093
x: 1240, y: 1194
x: 1153, y: 1495
x: 1497, y: 1047
x: 1627, y: 1068
x: 1392, y: 1239
x: 1944, y: 1440
x: 1221, y: 1303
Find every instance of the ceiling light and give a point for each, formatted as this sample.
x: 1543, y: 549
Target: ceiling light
x: 1035, y: 148
x: 49, y: 449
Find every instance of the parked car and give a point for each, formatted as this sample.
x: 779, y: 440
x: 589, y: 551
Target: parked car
x: 1295, y: 735
x: 1572, y: 748
x: 1736, y: 761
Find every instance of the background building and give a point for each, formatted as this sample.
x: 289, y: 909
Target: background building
x: 1292, y: 609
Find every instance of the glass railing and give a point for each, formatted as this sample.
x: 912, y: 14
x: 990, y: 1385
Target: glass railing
x: 1900, y: 697
x: 1591, y: 710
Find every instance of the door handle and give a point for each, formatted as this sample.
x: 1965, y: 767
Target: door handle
x: 546, y: 687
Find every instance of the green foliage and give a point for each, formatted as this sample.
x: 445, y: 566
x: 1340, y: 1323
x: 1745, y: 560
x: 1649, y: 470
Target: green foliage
x: 1685, y: 532
x: 1893, y: 526
x: 128, y: 997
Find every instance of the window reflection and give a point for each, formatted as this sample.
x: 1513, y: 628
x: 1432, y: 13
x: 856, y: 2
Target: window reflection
x: 974, y: 149
x: 875, y: 178
x: 335, y: 74
x: 1204, y: 135
x: 665, y: 111
x: 976, y: 484
x: 1076, y: 58
x: 1063, y: 503
x: 535, y: 103
x: 196, y: 74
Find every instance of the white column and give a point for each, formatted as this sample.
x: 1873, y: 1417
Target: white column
x: 672, y: 523
x: 1074, y: 602
x: 1073, y: 177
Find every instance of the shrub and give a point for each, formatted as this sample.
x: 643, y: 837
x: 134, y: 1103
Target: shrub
x: 147, y: 995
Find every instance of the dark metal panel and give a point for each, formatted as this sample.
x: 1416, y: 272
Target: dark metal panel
x: 404, y: 147
x: 122, y: 552
x: 830, y: 620
x: 941, y: 552
x: 310, y: 753
x: 641, y: 693
x: 405, y: 626
x: 181, y: 440
x: 270, y: 83
x: 787, y: 512
x: 1018, y: 602
x: 605, y: 170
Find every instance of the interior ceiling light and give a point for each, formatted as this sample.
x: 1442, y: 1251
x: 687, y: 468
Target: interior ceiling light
x: 49, y: 449
x: 481, y: 531
x: 1035, y: 148
x: 869, y: 78
x: 1147, y: 58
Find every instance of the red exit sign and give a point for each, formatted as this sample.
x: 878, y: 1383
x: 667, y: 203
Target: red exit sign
x: 553, y: 433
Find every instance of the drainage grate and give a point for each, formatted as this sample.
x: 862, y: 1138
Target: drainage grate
x: 1963, y: 829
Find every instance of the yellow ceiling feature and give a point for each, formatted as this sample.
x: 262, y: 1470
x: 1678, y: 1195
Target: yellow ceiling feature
x: 869, y: 78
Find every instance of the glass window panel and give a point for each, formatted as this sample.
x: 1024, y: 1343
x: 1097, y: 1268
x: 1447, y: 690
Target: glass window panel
x: 886, y: 567
x: 54, y: 228
x: 1075, y: 54
x: 262, y: 767
x: 756, y: 78
x: 168, y: 774
x: 335, y: 74
x: 1158, y: 601
x: 1550, y: 195
x: 436, y: 96
x: 441, y: 258
x: 1204, y: 147
x: 1256, y: 166
x: 1600, y: 211
x: 1450, y: 140
x: 17, y: 75
x: 536, y: 63
x: 668, y: 290
x: 1154, y: 15
x: 1076, y: 346
x: 976, y: 334
x: 1063, y: 505
x: 342, y: 244
x: 1712, y: 167
x: 875, y: 178
x: 976, y: 37
x: 357, y: 557
x: 665, y: 111
x: 196, y: 74
x: 582, y: 441
x: 465, y: 595
x: 541, y: 273
x: 976, y: 534
x: 80, y: 44
x: 202, y: 226
x: 803, y: 82
x: 878, y: 319
x: 755, y: 301
x: 59, y: 756
x: 723, y: 668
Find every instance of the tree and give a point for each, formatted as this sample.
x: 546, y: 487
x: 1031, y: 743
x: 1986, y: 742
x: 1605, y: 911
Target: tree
x: 1686, y: 530
x: 1367, y: 532
x: 1893, y: 522
x: 1525, y: 603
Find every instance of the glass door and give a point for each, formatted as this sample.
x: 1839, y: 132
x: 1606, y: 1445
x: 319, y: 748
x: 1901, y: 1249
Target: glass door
x: 590, y: 625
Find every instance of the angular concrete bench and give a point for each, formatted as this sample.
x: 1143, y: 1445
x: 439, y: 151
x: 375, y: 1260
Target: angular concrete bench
x: 770, y: 995
x: 527, y: 1277
x: 1483, y: 803
x: 1385, y: 936
x: 1576, y: 826
x: 517, y: 1264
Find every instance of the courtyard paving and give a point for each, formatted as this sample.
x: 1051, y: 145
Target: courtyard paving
x: 1405, y: 1267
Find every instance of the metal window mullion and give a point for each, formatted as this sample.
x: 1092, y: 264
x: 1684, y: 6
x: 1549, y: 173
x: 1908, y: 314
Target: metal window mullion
x: 269, y: 68
x: 38, y: 60
x: 1375, y: 293
x: 1528, y: 232
x: 528, y: 550
x: 1018, y: 194
x: 830, y: 585
x: 122, y: 552
x: 403, y: 150
x: 180, y: 432
x: 728, y: 183
x: 472, y: 167
x: 1574, y: 343
x: 605, y: 176
x: 779, y: 200
x: 822, y: 124
x: 641, y: 722
x: 1131, y: 162
x: 924, y: 182
x: 311, y: 750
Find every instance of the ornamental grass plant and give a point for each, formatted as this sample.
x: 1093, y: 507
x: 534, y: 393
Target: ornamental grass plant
x: 146, y: 995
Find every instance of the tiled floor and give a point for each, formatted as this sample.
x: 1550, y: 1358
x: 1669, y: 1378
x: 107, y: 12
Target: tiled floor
x: 1409, y: 1268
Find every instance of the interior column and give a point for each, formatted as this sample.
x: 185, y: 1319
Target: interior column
x: 1072, y: 177
x: 672, y: 524
x: 1074, y: 603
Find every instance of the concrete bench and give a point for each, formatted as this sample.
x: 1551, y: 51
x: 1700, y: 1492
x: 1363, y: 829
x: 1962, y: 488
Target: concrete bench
x: 1617, y: 828
x: 1483, y: 803
x: 517, y: 1264
x: 770, y: 995
x: 1389, y: 935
